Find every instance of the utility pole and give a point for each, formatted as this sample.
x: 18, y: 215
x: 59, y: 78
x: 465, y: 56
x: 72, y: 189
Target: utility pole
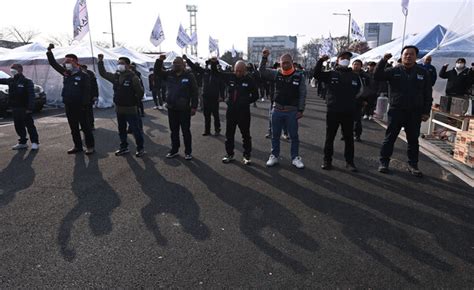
x: 192, y: 9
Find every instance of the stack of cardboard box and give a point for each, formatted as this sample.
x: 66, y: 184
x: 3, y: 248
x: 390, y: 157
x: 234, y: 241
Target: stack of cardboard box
x: 464, y: 146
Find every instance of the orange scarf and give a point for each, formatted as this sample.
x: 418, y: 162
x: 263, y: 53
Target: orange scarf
x: 287, y: 72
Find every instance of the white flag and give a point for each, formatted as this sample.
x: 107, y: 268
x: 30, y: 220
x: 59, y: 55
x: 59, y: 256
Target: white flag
x: 183, y: 38
x: 194, y: 38
x: 157, y: 34
x: 405, y: 7
x: 327, y: 47
x: 233, y: 51
x: 213, y: 45
x: 356, y: 32
x: 80, y: 20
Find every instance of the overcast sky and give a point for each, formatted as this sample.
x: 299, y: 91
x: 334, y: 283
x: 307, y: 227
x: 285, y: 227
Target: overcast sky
x: 231, y: 22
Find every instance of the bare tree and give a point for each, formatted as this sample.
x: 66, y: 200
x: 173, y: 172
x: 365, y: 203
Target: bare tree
x: 60, y: 40
x: 22, y: 36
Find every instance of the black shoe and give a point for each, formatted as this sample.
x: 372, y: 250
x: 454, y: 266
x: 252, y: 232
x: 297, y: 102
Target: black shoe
x: 326, y: 165
x: 268, y: 136
x: 122, y: 151
x: 218, y: 133
x: 140, y: 153
x: 413, y: 169
x: 206, y: 133
x: 74, y: 150
x: 351, y: 167
x: 90, y: 151
x: 357, y: 139
x: 383, y: 168
x: 342, y: 138
x: 172, y: 154
x: 188, y: 157
x: 228, y: 159
x: 129, y: 131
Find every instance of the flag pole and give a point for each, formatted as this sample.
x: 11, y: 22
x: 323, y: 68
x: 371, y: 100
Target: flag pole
x: 404, y: 29
x: 92, y: 51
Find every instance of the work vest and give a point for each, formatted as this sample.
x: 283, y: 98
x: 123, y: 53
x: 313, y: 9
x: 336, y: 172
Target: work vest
x: 287, y: 89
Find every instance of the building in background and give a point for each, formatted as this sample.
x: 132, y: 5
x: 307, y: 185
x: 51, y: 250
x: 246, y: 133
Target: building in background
x: 377, y: 34
x: 277, y: 45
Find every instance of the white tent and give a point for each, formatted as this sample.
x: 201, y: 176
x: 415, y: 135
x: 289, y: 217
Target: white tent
x: 35, y: 65
x: 457, y: 42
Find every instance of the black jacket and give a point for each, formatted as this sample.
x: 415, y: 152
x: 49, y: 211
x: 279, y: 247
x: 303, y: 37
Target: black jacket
x: 212, y: 83
x: 409, y: 89
x: 241, y: 92
x: 458, y: 84
x: 343, y: 87
x: 94, y: 93
x: 76, y: 84
x: 181, y: 90
x: 21, y: 92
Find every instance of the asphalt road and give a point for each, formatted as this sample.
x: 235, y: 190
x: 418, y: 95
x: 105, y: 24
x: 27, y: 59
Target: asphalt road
x: 106, y: 221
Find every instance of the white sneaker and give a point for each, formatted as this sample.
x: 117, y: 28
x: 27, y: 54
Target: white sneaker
x: 19, y: 146
x: 272, y: 160
x: 297, y: 162
x: 366, y: 117
x: 160, y: 107
x: 155, y: 108
x: 371, y: 118
x: 34, y: 146
x: 263, y: 99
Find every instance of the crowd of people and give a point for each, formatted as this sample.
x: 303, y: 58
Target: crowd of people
x: 350, y: 92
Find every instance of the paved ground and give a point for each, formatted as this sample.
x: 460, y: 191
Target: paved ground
x: 106, y: 221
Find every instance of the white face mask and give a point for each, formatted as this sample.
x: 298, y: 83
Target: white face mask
x: 13, y: 71
x: 121, y: 67
x: 68, y: 66
x: 459, y: 65
x: 344, y: 62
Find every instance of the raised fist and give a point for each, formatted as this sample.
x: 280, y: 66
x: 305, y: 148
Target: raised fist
x: 266, y: 52
x: 162, y: 57
x: 387, y: 56
x: 50, y: 46
x: 100, y: 57
x: 185, y: 57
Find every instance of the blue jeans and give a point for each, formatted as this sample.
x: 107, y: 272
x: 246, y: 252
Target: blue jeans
x: 280, y: 119
x: 270, y: 110
x: 133, y: 121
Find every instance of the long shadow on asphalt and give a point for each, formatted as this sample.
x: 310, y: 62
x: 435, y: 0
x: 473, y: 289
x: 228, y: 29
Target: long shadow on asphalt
x: 168, y: 197
x: 257, y: 212
x: 359, y: 226
x: 94, y: 196
x: 18, y: 175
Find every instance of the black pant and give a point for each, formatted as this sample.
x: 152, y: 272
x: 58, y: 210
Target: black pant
x: 180, y: 119
x: 370, y: 107
x: 141, y: 109
x: 242, y: 120
x: 77, y: 115
x: 211, y: 108
x: 90, y: 115
x: 397, y: 119
x: 333, y: 120
x: 24, y: 122
x: 358, y: 122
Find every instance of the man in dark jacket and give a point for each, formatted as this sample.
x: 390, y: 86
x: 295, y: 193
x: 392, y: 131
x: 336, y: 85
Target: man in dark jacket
x: 410, y: 104
x: 343, y: 87
x: 361, y: 97
x: 21, y: 98
x: 182, y: 100
x: 212, y: 92
x: 371, y: 92
x: 460, y: 78
x: 128, y: 93
x: 141, y: 109
x: 430, y: 68
x: 155, y: 91
x: 288, y: 106
x: 76, y: 99
x: 242, y: 91
x: 94, y: 95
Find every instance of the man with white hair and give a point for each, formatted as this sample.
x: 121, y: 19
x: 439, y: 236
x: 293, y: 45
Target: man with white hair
x: 288, y: 107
